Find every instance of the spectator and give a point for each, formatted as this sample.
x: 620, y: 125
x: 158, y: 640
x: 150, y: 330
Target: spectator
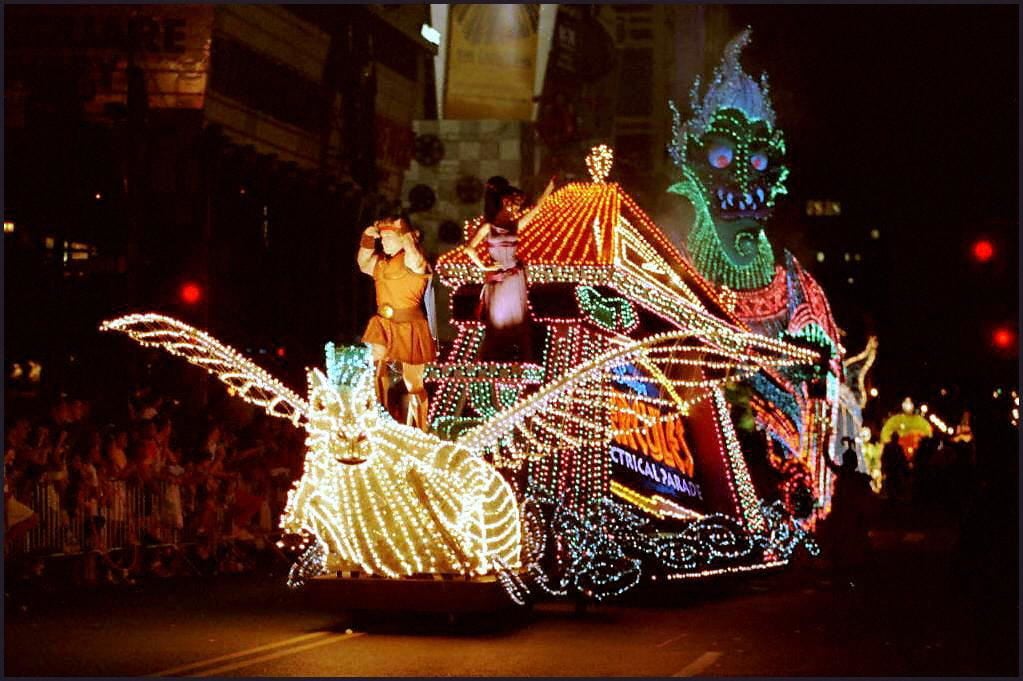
x: 144, y: 405
x: 962, y: 475
x: 147, y: 451
x: 894, y: 470
x: 88, y: 482
x: 116, y: 497
x: 37, y: 454
x: 88, y: 477
x: 17, y: 437
x: 212, y: 446
x: 248, y: 499
x: 22, y: 470
x: 923, y: 470
x: 851, y: 511
x: 281, y: 473
x: 56, y: 462
x: 117, y: 453
x: 19, y: 518
x: 60, y: 413
x: 173, y: 516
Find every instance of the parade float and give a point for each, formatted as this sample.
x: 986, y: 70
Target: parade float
x: 609, y: 458
x: 730, y: 153
x: 912, y: 425
x: 604, y: 456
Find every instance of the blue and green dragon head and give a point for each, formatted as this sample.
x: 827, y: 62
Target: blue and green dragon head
x: 730, y: 154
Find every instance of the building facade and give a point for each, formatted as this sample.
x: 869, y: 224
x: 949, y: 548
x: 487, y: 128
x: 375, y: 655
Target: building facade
x: 227, y: 147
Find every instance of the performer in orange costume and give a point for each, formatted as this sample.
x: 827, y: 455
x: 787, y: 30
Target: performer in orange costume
x: 399, y: 331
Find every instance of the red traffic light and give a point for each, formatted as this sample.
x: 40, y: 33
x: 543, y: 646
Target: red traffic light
x: 983, y: 250
x: 190, y: 293
x: 1003, y: 338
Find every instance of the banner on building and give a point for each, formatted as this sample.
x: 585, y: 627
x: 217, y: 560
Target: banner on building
x: 491, y: 62
x: 394, y: 143
x: 94, y: 44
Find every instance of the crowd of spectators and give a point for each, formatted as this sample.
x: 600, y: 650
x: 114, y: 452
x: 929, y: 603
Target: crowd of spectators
x: 202, y: 480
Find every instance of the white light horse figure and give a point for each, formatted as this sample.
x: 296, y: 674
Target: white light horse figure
x: 381, y: 497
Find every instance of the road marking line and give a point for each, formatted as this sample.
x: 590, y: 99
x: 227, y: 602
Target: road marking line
x: 699, y: 664
x: 202, y: 663
x: 670, y: 640
x: 337, y: 638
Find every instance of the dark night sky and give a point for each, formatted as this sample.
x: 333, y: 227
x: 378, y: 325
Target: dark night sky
x: 909, y: 115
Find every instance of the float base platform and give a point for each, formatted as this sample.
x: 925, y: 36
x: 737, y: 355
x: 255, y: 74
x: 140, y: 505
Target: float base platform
x: 454, y: 595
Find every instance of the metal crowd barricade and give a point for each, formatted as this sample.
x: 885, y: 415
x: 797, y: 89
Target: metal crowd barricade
x: 133, y: 512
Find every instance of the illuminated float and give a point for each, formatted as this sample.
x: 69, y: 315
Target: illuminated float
x: 609, y: 457
x: 910, y: 425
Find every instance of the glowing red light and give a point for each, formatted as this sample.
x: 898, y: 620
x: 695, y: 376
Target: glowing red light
x: 1003, y: 338
x: 983, y: 250
x: 281, y: 352
x: 190, y: 293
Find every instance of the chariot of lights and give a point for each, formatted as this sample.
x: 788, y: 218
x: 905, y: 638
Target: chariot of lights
x: 609, y: 459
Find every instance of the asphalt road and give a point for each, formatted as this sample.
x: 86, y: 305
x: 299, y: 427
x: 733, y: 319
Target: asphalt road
x: 908, y: 616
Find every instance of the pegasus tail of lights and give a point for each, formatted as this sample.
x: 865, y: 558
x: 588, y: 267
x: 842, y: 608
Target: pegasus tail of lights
x: 249, y: 381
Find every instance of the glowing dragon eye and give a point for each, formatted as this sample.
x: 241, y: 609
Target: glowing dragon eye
x: 759, y: 161
x: 720, y: 155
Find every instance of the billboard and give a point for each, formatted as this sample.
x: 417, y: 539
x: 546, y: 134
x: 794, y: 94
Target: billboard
x: 491, y: 62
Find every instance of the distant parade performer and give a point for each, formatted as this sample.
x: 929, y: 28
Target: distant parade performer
x: 399, y: 331
x: 504, y: 305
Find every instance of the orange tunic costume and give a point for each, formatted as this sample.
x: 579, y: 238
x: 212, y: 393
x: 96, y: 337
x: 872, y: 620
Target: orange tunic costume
x: 400, y: 324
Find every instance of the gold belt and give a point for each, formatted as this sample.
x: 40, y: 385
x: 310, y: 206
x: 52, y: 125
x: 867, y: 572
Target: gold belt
x: 406, y: 314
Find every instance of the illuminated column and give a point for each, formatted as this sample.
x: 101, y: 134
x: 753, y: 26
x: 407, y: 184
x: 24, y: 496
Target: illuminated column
x: 578, y: 477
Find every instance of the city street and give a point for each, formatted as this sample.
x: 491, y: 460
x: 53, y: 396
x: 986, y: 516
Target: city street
x: 907, y: 619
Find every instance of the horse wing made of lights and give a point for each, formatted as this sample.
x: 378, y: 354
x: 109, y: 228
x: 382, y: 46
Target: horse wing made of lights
x: 679, y: 368
x: 249, y: 381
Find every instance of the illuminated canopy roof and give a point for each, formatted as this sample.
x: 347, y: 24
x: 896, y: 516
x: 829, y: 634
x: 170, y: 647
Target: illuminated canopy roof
x: 575, y: 226
x: 592, y: 233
